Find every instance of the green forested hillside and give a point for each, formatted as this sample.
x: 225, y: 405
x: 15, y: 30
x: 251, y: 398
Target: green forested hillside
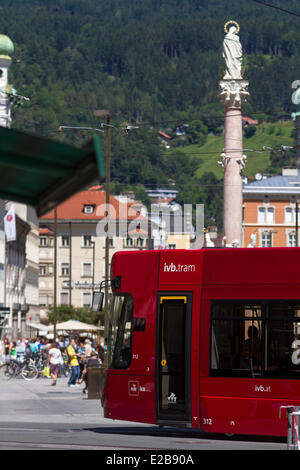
x: 152, y: 63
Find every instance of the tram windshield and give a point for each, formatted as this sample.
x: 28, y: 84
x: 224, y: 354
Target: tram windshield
x: 120, y: 331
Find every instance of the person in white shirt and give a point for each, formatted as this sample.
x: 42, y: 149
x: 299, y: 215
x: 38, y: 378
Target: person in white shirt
x: 87, y: 348
x: 55, y: 360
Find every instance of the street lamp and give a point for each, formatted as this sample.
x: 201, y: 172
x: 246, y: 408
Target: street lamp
x: 104, y: 113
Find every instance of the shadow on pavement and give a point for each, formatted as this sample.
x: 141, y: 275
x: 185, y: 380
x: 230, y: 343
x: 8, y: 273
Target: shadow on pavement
x: 182, y: 433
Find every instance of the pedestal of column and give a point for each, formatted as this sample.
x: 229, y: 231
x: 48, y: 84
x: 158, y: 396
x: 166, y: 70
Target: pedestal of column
x: 233, y: 93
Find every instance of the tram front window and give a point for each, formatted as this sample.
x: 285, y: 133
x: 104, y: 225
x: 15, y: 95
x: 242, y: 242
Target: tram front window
x: 120, y: 331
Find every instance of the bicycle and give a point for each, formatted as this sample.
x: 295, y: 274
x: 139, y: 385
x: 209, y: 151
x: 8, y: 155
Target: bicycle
x: 5, y: 372
x: 65, y: 368
x: 40, y: 364
x: 27, y: 370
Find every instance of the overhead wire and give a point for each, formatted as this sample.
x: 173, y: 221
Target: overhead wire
x: 276, y: 7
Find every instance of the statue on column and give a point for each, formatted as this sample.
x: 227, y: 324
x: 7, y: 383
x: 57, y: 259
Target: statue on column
x: 232, y: 51
x: 233, y: 88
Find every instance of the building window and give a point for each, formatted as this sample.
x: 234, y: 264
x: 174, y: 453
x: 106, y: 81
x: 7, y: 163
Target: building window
x: 88, y: 209
x: 140, y: 242
x: 172, y: 246
x: 129, y: 241
x: 270, y: 215
x: 266, y: 215
x: 42, y: 301
x: 291, y: 241
x: 86, y: 299
x: 65, y: 240
x: 87, y: 240
x: 64, y: 298
x: 43, y: 241
x: 290, y: 215
x: 65, y: 271
x: 266, y: 239
x: 86, y: 269
x: 43, y: 270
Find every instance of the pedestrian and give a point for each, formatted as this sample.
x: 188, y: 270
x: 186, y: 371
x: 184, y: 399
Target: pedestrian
x: 73, y: 360
x: 87, y: 348
x: 21, y: 349
x: 54, y: 360
x: 1, y: 352
x: 6, y: 349
x: 82, y: 361
x: 91, y: 361
x: 100, y: 352
x: 13, y: 351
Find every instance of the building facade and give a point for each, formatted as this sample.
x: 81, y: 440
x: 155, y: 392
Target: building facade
x: 81, y: 246
x: 18, y: 257
x: 20, y: 292
x: 270, y: 209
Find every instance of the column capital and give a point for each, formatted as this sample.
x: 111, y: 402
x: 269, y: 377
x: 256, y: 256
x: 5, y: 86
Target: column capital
x: 226, y: 159
x: 233, y: 93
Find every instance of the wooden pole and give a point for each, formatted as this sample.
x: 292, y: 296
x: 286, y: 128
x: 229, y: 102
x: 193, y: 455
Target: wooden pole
x: 55, y: 273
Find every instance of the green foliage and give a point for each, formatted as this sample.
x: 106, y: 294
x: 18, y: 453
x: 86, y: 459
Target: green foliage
x: 197, y: 133
x: 152, y: 63
x: 249, y: 131
x: 66, y: 312
x: 282, y: 159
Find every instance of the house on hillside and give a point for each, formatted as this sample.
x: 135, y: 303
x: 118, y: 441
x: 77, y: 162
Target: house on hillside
x: 181, y: 129
x: 164, y: 139
x: 246, y: 121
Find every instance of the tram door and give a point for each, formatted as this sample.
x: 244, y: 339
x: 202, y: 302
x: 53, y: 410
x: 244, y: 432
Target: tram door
x: 173, y: 377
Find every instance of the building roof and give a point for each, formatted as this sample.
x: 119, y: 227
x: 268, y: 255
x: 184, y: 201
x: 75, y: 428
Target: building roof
x: 249, y: 120
x: 163, y: 134
x: 45, y: 231
x: 6, y: 47
x: 73, y: 208
x: 279, y: 185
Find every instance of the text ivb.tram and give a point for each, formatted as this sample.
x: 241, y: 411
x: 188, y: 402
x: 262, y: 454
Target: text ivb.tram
x: 207, y: 339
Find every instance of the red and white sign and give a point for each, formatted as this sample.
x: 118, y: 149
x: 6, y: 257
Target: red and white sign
x: 10, y: 225
x: 133, y: 388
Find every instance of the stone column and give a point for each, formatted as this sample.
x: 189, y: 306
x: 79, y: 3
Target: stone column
x: 233, y: 92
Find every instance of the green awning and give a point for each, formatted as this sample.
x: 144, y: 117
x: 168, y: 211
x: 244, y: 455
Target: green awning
x: 42, y: 172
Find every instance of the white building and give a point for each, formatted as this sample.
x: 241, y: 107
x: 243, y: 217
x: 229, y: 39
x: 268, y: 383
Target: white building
x: 81, y: 246
x: 19, y: 257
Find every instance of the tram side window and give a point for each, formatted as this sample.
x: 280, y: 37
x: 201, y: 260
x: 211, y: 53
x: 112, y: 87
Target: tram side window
x: 236, y: 339
x: 120, y: 331
x: 282, y: 356
x: 255, y: 339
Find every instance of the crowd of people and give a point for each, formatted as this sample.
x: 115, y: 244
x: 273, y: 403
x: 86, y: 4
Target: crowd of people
x: 79, y: 353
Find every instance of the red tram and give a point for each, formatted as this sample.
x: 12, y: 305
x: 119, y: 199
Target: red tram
x: 208, y: 339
